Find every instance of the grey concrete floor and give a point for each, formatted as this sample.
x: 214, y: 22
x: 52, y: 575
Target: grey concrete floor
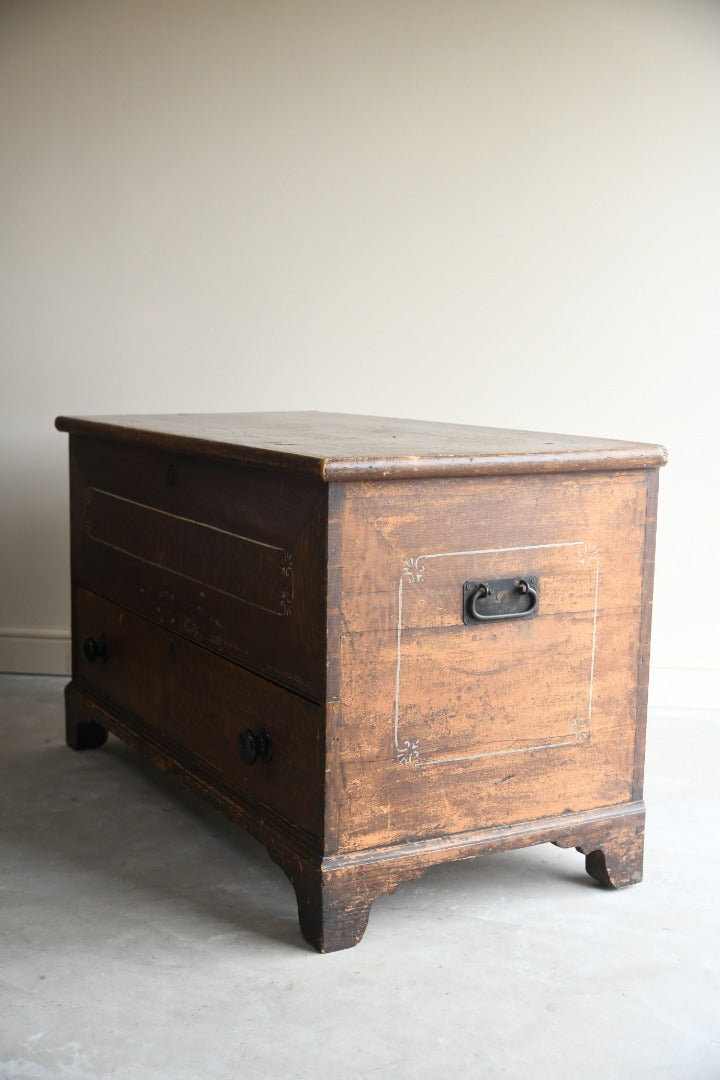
x: 144, y: 936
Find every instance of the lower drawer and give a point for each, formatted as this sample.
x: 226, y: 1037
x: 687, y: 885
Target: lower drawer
x: 199, y: 705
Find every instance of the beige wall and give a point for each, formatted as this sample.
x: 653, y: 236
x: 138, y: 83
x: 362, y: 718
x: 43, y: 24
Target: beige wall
x: 506, y: 213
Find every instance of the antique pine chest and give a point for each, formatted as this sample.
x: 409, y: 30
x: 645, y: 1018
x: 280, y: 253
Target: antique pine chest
x: 377, y: 644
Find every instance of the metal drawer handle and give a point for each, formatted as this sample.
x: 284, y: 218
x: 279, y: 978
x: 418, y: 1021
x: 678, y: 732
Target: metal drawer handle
x: 499, y: 599
x: 95, y: 648
x: 255, y: 745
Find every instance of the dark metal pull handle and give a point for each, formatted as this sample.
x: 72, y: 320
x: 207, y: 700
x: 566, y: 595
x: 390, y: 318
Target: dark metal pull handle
x: 254, y: 745
x: 95, y: 648
x: 491, y: 601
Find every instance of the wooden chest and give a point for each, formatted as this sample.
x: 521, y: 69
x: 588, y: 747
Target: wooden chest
x: 377, y: 644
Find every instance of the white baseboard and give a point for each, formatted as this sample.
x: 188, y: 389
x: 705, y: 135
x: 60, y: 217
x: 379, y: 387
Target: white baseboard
x: 35, y: 652
x: 684, y: 688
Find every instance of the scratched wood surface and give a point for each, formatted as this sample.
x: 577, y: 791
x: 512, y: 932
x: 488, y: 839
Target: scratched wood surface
x: 303, y: 573
x: 439, y: 727
x: 343, y: 446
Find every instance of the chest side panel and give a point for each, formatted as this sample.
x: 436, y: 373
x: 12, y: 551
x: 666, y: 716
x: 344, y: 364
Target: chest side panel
x: 440, y: 726
x: 228, y: 556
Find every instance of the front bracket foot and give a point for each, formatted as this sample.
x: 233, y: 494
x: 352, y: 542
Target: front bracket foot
x: 334, y: 901
x: 332, y: 916
x: 614, y: 855
x: 81, y: 732
x: 84, y: 735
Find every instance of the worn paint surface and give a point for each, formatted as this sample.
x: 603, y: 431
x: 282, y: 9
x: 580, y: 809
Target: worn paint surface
x: 309, y: 583
x: 441, y: 727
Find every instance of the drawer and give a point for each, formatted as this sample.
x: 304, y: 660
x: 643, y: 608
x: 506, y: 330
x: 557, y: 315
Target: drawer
x: 198, y: 704
x: 228, y: 556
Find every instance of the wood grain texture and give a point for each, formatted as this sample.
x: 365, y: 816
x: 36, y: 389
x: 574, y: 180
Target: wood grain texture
x: 343, y: 446
x: 284, y: 839
x: 335, y: 894
x: 229, y: 557
x: 437, y: 727
x: 613, y: 850
x: 197, y: 703
x: 303, y: 574
x: 252, y: 571
x: 643, y: 647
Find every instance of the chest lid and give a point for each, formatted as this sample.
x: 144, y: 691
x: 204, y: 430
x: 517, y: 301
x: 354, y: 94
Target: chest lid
x: 344, y: 446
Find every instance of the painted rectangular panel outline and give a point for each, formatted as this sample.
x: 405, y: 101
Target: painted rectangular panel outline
x: 408, y: 753
x: 284, y: 604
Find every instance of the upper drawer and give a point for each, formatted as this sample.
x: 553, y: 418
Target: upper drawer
x: 228, y: 556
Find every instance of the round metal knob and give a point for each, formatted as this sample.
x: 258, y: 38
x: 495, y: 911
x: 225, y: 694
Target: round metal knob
x: 254, y: 745
x: 95, y: 648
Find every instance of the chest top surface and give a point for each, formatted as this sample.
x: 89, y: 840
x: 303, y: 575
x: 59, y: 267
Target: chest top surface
x: 345, y: 446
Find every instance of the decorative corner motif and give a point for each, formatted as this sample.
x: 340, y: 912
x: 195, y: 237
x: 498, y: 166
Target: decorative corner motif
x: 408, y: 752
x: 581, y: 728
x: 286, y: 596
x: 414, y: 569
x: 587, y: 551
